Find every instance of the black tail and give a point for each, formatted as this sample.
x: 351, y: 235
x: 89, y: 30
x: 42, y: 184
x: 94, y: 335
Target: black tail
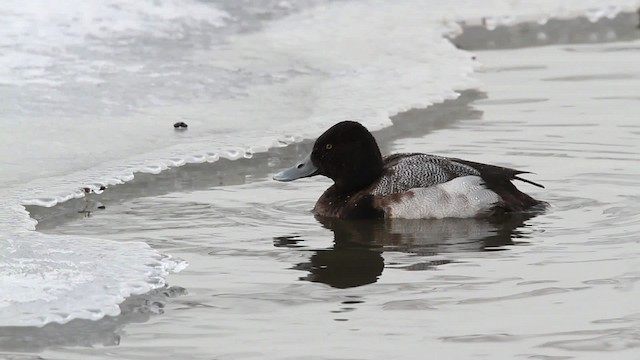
x: 498, y: 179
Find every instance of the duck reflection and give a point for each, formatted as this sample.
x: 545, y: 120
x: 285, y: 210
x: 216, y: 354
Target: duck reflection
x: 347, y: 264
x: 355, y: 259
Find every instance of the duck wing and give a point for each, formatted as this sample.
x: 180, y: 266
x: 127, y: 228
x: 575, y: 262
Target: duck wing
x: 403, y: 172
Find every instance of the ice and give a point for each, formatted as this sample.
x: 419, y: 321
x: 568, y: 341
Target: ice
x: 89, y: 91
x: 58, y: 278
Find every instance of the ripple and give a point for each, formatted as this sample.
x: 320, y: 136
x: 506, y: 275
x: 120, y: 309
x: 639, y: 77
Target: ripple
x: 548, y: 357
x: 590, y: 77
x: 482, y: 338
x: 416, y: 304
x: 522, y: 295
x: 614, y: 341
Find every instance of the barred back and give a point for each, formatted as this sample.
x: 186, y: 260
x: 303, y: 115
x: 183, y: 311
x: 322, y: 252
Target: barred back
x: 409, y: 171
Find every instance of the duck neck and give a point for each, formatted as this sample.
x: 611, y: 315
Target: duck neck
x: 359, y: 175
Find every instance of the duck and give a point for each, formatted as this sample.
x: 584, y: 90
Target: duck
x: 367, y: 185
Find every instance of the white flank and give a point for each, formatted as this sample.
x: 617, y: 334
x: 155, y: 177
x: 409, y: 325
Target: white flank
x: 462, y: 197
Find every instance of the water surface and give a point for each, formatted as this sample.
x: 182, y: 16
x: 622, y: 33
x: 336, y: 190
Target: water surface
x: 267, y: 280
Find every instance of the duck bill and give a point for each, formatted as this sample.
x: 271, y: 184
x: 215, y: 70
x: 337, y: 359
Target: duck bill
x: 304, y: 169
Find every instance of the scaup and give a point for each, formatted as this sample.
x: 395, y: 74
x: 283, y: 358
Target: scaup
x: 410, y: 186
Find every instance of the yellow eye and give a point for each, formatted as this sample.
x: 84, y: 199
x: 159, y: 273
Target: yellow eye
x: 328, y: 146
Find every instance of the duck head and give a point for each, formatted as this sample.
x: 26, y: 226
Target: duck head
x: 346, y: 153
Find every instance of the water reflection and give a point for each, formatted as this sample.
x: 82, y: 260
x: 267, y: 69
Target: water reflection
x: 347, y: 264
x: 355, y: 259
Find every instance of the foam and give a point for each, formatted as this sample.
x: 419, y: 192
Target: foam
x: 90, y: 90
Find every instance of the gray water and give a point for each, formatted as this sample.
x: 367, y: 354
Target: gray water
x: 267, y: 280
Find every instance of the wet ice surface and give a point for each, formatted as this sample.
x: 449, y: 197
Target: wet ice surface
x: 268, y: 281
x: 86, y: 283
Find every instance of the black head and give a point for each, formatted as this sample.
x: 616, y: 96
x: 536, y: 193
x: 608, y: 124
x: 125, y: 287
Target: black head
x: 349, y: 155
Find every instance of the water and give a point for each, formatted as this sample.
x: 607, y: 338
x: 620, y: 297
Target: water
x: 267, y: 280
x: 95, y: 87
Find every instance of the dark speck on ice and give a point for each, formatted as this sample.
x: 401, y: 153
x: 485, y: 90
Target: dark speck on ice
x: 180, y: 125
